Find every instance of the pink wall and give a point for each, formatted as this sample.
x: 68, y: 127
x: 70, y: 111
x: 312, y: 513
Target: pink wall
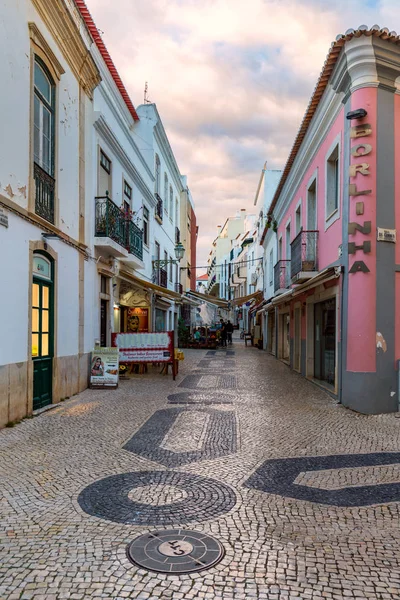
x: 397, y: 218
x: 329, y: 240
x: 361, y: 329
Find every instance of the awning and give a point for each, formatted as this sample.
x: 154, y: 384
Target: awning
x: 149, y: 285
x: 282, y: 297
x: 244, y: 299
x: 257, y: 307
x: 191, y: 301
x: 210, y: 299
x: 325, y: 275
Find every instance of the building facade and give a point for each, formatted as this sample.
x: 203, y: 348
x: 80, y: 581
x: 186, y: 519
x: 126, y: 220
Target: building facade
x: 90, y: 197
x: 44, y: 204
x: 335, y: 316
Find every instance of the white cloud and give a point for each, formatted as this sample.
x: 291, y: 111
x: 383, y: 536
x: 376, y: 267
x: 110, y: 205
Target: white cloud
x: 231, y: 80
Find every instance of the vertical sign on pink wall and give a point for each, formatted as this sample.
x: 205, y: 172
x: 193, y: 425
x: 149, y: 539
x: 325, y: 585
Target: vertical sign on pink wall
x: 361, y: 330
x: 397, y: 215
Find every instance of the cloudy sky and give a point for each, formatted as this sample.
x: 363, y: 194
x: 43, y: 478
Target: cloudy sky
x: 231, y: 80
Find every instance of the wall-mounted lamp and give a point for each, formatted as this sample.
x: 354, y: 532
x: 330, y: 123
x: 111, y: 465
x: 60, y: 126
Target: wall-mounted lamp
x: 360, y: 113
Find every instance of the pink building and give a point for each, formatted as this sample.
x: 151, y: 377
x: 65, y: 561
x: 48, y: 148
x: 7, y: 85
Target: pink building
x: 335, y: 316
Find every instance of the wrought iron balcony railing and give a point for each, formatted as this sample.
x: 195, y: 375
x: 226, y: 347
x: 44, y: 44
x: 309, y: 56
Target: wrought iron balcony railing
x: 177, y: 235
x: 159, y: 207
x: 282, y: 275
x: 304, y: 252
x: 135, y: 240
x: 179, y: 288
x: 112, y: 222
x: 44, y: 193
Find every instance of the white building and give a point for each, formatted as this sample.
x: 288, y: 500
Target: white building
x: 46, y: 158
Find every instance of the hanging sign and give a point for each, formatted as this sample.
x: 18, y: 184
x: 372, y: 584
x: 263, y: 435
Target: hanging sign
x: 104, y: 368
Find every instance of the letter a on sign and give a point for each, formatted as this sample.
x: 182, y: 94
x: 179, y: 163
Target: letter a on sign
x: 358, y: 266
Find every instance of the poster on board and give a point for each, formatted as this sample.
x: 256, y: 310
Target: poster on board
x: 145, y: 347
x: 138, y: 320
x: 104, y: 368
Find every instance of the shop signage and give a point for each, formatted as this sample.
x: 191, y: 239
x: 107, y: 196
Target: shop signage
x: 357, y: 170
x: 104, y: 368
x: 3, y: 217
x: 144, y: 347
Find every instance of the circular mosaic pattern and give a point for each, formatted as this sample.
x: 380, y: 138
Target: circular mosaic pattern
x: 111, y: 498
x: 157, y: 495
x: 175, y: 551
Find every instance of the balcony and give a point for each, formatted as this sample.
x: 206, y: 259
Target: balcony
x: 44, y: 193
x: 115, y: 233
x: 159, y: 209
x: 282, y: 281
x: 304, y: 256
x: 177, y: 235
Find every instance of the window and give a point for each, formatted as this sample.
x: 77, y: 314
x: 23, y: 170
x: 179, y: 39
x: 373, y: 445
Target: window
x: 288, y: 249
x: 176, y: 213
x: 171, y: 201
x: 298, y: 220
x: 271, y: 266
x: 332, y: 183
x: 157, y: 174
x: 171, y: 270
x: 312, y: 206
x: 165, y: 193
x: 103, y: 284
x: 44, y: 140
x: 145, y: 225
x: 280, y: 249
x: 104, y: 175
x: 127, y: 191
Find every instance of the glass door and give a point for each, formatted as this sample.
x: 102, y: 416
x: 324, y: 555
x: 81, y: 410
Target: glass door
x: 325, y: 341
x: 42, y: 342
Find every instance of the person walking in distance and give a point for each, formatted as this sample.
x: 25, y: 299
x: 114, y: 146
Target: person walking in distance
x: 223, y: 333
x: 229, y: 331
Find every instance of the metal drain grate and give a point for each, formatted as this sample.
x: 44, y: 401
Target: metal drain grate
x: 175, y: 551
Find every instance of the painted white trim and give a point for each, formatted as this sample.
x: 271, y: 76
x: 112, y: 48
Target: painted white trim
x: 326, y: 114
x: 298, y: 205
x: 335, y: 215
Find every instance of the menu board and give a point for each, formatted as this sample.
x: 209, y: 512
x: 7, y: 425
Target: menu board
x: 145, y: 347
x: 104, y: 368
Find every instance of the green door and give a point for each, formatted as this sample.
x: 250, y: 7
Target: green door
x: 42, y: 338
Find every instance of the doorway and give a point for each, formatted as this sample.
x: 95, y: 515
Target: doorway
x: 297, y: 339
x: 103, y: 322
x: 42, y: 330
x: 325, y: 341
x: 284, y: 335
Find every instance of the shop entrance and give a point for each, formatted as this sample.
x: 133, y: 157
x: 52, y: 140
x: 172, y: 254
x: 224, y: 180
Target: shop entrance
x: 297, y: 339
x: 42, y: 330
x: 325, y: 341
x: 284, y: 337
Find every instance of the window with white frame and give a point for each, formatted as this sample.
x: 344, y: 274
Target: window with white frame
x: 44, y: 108
x: 171, y: 270
x: 271, y: 267
x: 104, y: 175
x: 165, y: 192
x: 146, y: 225
x: 171, y: 202
x: 298, y: 219
x: 288, y: 240
x: 157, y: 174
x: 332, y: 183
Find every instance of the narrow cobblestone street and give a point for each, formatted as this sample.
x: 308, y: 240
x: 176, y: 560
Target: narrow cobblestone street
x: 230, y: 449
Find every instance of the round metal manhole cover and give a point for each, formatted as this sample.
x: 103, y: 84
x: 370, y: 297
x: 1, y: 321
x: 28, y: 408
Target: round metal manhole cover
x: 175, y: 551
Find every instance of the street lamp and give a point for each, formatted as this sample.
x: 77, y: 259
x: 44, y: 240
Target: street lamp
x: 179, y: 252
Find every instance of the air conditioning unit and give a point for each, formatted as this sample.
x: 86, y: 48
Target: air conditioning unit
x: 253, y: 278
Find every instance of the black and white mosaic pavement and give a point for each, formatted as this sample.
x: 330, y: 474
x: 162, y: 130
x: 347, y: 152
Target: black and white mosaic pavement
x: 209, y: 382
x: 214, y: 436
x: 200, y: 398
x: 203, y: 498
x: 302, y: 493
x: 175, y: 551
x: 278, y: 477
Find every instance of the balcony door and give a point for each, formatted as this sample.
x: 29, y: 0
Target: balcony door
x: 42, y: 330
x: 312, y: 206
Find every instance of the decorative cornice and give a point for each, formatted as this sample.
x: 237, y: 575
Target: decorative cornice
x: 44, y: 225
x: 103, y: 128
x: 66, y: 35
x: 40, y: 41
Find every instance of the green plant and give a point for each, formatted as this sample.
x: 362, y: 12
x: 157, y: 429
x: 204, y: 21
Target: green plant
x: 183, y: 332
x: 275, y: 226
